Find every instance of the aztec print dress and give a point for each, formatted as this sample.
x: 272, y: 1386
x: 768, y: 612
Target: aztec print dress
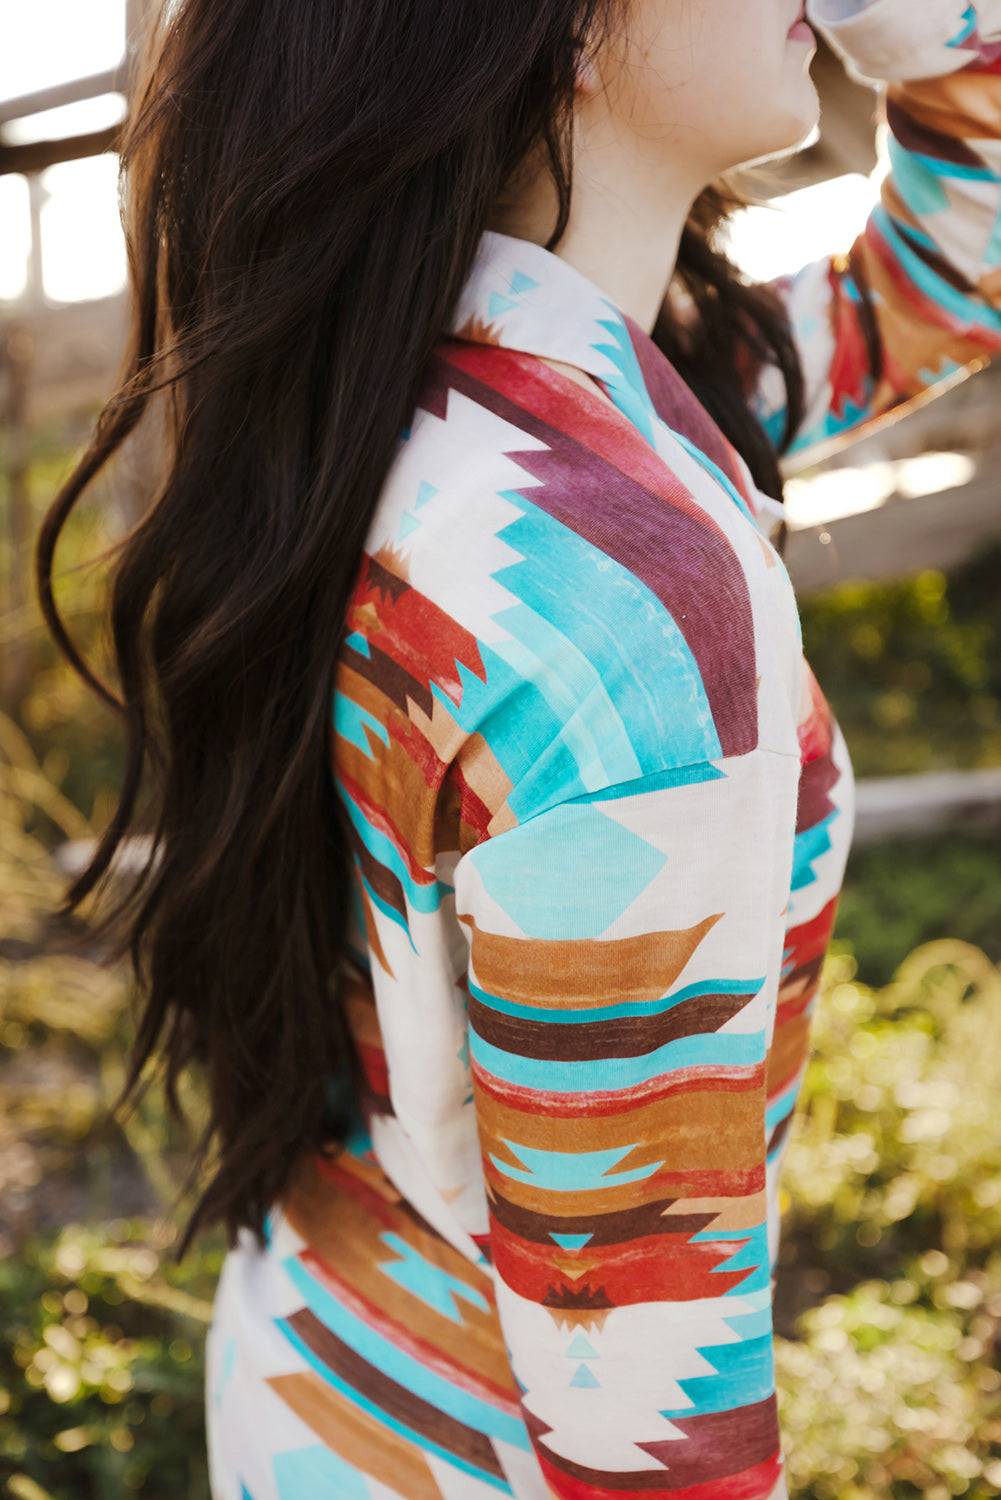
x: 599, y: 812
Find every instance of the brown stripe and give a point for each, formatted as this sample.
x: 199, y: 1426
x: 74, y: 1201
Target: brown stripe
x: 732, y: 1182
x: 621, y: 1036
x: 918, y: 347
x: 727, y: 1213
x: 677, y: 1128
x: 789, y: 1048
x: 962, y: 106
x: 718, y: 1443
x: 611, y: 1228
x: 780, y: 1132
x: 386, y: 885
x: 400, y: 779
x: 385, y: 571
x: 387, y: 678
x: 813, y: 803
x: 584, y: 971
x: 344, y: 1219
x: 357, y: 1436
x: 915, y: 134
x: 372, y: 937
x: 394, y: 1399
x: 797, y: 984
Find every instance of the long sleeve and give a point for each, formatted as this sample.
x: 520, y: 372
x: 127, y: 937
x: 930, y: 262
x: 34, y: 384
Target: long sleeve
x: 625, y: 949
x: 919, y: 293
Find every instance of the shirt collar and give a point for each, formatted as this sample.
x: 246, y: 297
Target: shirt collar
x: 521, y: 296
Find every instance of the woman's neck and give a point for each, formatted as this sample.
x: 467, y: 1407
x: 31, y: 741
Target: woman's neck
x: 626, y: 219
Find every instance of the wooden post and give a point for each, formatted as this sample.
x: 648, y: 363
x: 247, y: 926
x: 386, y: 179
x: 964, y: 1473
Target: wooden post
x: 16, y: 357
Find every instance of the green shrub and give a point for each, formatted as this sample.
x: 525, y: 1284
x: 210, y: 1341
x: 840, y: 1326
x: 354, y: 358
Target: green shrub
x: 886, y: 1395
x: 892, y: 1194
x: 912, y: 666
x: 908, y: 891
x: 101, y: 1365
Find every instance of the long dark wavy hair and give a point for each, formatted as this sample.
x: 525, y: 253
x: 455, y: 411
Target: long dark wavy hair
x: 303, y: 188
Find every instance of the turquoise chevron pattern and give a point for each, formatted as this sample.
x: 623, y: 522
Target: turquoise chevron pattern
x: 599, y: 812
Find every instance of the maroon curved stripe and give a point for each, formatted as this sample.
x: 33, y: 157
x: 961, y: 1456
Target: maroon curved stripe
x: 916, y: 135
x: 677, y: 404
x: 683, y: 558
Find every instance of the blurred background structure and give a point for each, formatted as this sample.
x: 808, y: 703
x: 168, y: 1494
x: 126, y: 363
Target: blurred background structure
x: 889, y: 1307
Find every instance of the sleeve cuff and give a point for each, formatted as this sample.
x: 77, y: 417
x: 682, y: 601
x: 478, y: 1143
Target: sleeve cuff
x: 896, y: 40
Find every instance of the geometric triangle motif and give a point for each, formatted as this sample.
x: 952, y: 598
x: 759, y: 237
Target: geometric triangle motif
x: 580, y: 1348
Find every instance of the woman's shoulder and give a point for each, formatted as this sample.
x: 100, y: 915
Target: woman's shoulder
x: 568, y: 595
x: 656, y: 492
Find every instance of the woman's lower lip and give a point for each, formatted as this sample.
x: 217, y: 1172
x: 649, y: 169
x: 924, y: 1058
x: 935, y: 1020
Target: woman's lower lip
x: 800, y: 32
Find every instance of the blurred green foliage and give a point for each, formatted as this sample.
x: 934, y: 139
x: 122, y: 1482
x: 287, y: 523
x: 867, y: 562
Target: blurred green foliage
x: 912, y: 666
x: 100, y: 1333
x: 101, y: 1364
x: 892, y: 1194
x: 908, y: 891
x: 76, y: 740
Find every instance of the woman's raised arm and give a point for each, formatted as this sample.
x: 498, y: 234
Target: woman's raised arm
x: 918, y: 296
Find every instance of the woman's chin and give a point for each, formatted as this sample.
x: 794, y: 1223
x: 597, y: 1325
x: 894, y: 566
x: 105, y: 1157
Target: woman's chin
x: 792, y: 146
x: 798, y: 128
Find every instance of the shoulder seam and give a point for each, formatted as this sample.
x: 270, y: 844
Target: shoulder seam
x: 718, y: 762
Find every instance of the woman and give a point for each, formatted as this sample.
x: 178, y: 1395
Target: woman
x: 472, y: 485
